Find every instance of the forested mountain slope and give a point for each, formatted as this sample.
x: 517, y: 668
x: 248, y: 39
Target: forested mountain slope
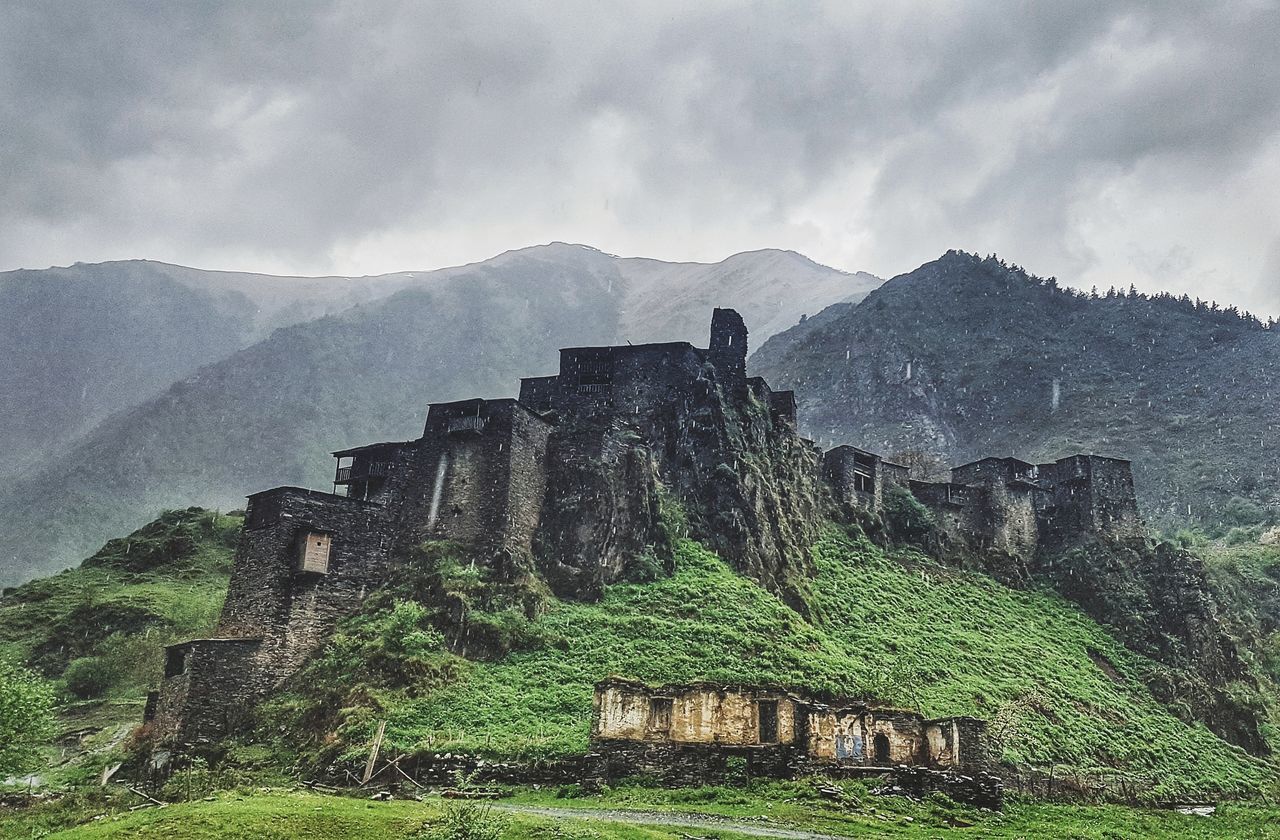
x: 82, y: 342
x: 967, y: 357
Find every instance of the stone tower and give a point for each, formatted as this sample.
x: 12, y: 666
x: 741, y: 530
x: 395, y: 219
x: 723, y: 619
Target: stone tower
x: 728, y: 347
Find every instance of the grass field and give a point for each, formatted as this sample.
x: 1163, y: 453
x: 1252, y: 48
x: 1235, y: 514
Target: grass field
x: 284, y: 815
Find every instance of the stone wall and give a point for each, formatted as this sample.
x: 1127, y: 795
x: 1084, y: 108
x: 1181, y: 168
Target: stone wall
x: 699, y: 713
x: 1007, y: 512
x: 727, y: 348
x: 854, y: 478
x: 731, y: 716
x: 291, y: 610
x: 867, y: 736
x: 1091, y: 495
x: 275, y: 614
x: 479, y: 480
x: 539, y: 392
x: 209, y: 687
x: 692, y: 765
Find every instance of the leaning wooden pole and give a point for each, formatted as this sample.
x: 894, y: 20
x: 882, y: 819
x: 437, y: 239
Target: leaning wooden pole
x: 373, y: 752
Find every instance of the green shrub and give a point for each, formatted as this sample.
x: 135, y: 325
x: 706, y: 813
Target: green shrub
x: 466, y: 819
x: 26, y: 717
x: 1238, y: 511
x: 1190, y: 538
x: 1241, y: 536
x: 906, y: 518
x: 88, y: 677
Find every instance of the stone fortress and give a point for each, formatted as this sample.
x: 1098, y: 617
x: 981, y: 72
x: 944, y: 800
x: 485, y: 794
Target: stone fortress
x: 575, y: 481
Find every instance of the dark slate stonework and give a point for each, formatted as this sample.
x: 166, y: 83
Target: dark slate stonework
x: 1011, y: 512
x: 982, y: 790
x: 694, y: 765
x: 291, y: 610
x: 209, y: 688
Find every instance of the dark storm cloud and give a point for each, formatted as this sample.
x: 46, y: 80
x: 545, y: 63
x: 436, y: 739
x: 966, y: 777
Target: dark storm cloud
x: 1104, y: 142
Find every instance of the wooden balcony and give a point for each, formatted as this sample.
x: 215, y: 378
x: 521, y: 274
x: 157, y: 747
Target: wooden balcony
x: 466, y: 425
x: 360, y: 471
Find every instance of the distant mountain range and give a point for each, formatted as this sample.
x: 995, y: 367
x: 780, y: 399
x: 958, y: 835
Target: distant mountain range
x: 136, y: 386
x: 966, y: 357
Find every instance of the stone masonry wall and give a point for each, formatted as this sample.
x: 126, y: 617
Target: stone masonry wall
x: 267, y: 592
x: 218, y: 684
x: 697, y: 714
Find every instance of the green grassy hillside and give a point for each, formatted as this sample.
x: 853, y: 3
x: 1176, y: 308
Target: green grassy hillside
x: 98, y: 631
x: 627, y: 814
x: 122, y: 605
x: 898, y: 628
x: 891, y: 626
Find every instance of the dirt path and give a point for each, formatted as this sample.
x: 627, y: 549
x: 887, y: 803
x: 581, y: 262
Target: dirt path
x: 676, y: 819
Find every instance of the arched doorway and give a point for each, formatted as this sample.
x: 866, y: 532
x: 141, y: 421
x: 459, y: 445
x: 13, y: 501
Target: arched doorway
x: 880, y: 748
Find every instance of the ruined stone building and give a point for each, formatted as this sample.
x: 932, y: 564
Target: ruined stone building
x: 689, y: 728
x: 571, y: 483
x: 1001, y: 505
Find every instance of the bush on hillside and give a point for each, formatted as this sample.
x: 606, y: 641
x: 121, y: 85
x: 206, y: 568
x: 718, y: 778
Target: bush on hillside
x: 906, y: 518
x: 1243, y: 512
x: 26, y: 717
x: 88, y: 677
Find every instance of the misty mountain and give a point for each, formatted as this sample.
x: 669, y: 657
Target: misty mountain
x: 966, y: 357
x: 83, y: 342
x: 271, y: 412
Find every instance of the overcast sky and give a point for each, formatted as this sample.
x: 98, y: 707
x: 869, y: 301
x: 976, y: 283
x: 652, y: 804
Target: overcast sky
x: 1106, y: 143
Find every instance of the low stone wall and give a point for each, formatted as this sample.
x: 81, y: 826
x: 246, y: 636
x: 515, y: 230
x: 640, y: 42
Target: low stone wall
x: 982, y: 790
x: 691, y: 765
x: 675, y: 765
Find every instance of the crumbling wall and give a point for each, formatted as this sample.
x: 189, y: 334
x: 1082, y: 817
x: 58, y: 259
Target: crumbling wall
x: 209, y: 688
x: 691, y: 714
x: 839, y: 735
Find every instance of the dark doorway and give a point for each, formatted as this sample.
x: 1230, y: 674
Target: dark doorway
x: 768, y: 721
x: 880, y: 748
x: 175, y: 662
x: 660, y: 715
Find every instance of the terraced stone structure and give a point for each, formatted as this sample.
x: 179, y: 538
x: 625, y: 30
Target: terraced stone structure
x: 567, y: 482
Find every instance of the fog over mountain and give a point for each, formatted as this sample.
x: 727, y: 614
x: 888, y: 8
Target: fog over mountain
x: 83, y: 342
x: 263, y: 413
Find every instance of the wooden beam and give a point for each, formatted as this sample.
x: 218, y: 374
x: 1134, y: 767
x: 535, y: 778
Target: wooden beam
x: 373, y: 753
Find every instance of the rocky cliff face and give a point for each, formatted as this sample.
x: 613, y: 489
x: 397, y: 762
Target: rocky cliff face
x: 716, y: 462
x: 1158, y: 600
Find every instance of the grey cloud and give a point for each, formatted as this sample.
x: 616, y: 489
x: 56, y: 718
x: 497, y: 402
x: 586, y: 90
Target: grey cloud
x: 337, y: 136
